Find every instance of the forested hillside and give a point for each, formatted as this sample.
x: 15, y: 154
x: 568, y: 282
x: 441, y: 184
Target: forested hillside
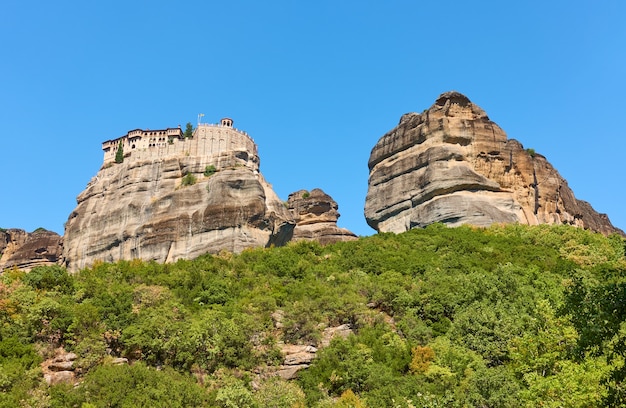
x: 509, y: 316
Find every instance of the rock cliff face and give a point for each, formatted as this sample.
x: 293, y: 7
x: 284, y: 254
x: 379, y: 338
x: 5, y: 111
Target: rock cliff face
x: 316, y: 215
x: 452, y: 164
x: 25, y: 251
x: 175, y: 207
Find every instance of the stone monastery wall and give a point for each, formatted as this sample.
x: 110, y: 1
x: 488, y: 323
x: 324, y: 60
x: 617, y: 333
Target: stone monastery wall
x: 208, y: 139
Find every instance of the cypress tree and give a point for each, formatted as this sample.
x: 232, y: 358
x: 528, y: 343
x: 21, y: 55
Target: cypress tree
x: 119, y: 156
x: 188, y: 131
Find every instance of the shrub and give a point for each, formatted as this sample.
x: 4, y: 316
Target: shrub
x: 189, y: 180
x: 276, y: 392
x: 209, y: 170
x: 531, y: 152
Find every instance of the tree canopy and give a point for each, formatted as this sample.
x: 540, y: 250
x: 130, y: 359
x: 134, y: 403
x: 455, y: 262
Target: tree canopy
x: 507, y: 316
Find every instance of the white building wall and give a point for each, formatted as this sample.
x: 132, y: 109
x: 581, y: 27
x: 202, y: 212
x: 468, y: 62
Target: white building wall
x: 208, y: 140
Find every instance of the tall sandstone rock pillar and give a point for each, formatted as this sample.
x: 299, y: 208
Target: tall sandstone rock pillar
x: 452, y: 164
x: 179, y: 205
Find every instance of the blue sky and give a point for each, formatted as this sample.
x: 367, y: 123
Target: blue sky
x: 316, y: 84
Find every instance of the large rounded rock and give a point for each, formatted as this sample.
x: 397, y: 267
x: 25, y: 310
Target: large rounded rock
x: 316, y: 215
x: 23, y: 250
x: 452, y: 164
x: 173, y: 208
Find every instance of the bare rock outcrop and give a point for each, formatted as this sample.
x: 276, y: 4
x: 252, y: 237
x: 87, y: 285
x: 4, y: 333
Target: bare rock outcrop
x: 316, y: 215
x: 175, y: 207
x: 22, y: 250
x: 452, y: 164
x: 60, y: 368
x: 298, y: 357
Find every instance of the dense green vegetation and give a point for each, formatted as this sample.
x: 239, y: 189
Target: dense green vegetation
x: 509, y: 316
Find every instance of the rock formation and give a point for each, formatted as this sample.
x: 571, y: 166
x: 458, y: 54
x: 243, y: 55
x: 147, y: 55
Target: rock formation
x: 22, y: 250
x: 59, y: 369
x: 297, y: 357
x: 452, y: 164
x: 168, y: 207
x: 315, y: 214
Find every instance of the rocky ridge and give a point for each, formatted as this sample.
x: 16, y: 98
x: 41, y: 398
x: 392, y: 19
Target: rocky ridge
x: 449, y: 164
x: 22, y: 250
x: 452, y: 164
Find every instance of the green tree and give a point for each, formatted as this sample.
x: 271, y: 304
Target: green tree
x: 19, y: 370
x: 544, y: 344
x: 574, y: 385
x: 119, y: 156
x: 487, y: 328
x: 598, y: 312
x: 188, y: 131
x: 134, y: 385
x: 493, y: 387
x: 52, y: 277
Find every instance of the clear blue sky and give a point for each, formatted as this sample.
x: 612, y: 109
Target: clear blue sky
x: 316, y: 84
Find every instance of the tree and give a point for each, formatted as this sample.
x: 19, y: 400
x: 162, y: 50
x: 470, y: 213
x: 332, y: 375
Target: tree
x: 135, y: 385
x: 421, y: 359
x: 188, y: 131
x: 598, y: 312
x: 119, y: 156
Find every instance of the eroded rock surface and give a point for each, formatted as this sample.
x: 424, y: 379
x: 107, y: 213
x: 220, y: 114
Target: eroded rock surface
x: 452, y: 164
x: 60, y: 368
x: 22, y: 250
x: 316, y: 215
x: 298, y: 356
x: 143, y: 208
